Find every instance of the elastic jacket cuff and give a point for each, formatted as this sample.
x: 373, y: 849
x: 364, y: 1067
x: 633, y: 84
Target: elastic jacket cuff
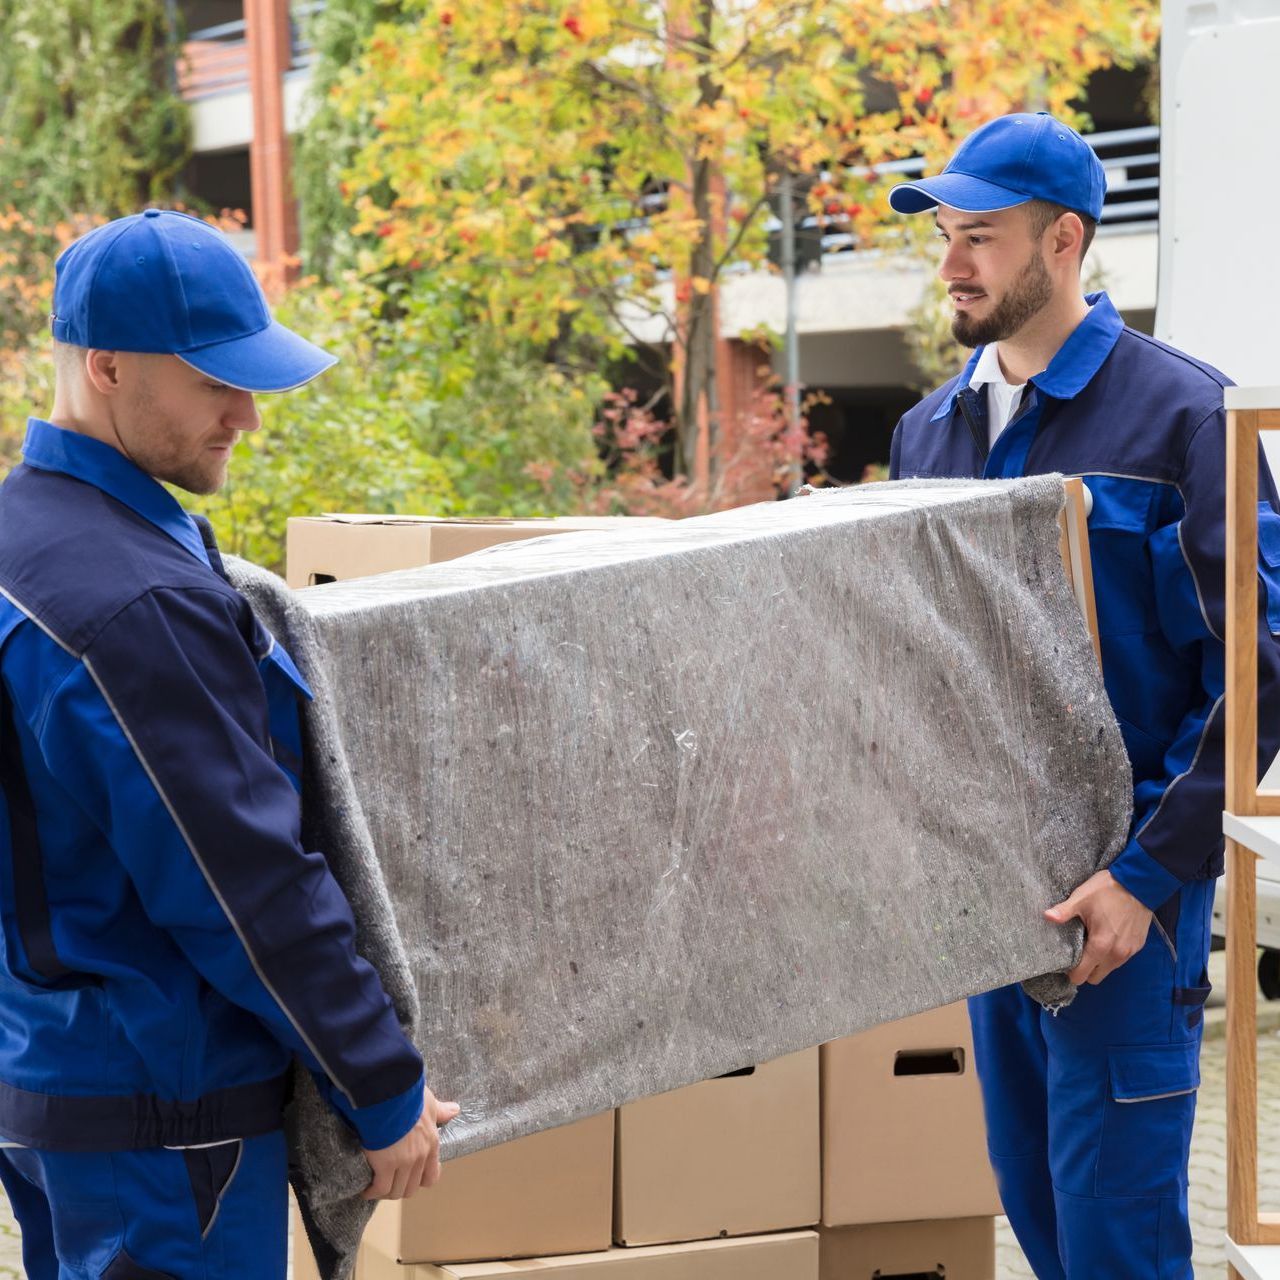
x: 1136, y: 870
x: 382, y: 1123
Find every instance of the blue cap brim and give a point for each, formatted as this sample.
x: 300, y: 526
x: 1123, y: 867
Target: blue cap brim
x: 957, y: 191
x: 273, y: 359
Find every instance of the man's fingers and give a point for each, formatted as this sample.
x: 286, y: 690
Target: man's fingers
x: 1063, y: 912
x: 399, y: 1180
x: 1092, y: 958
x: 1102, y: 957
x: 446, y: 1111
x: 431, y: 1170
x: 378, y: 1186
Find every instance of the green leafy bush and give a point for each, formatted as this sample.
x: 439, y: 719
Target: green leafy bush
x: 404, y: 423
x: 349, y: 441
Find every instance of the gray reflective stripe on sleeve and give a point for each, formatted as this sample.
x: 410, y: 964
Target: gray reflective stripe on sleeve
x: 1195, y: 760
x: 31, y: 617
x: 1195, y: 582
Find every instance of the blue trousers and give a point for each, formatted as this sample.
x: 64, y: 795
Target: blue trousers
x: 1089, y: 1112
x: 209, y: 1213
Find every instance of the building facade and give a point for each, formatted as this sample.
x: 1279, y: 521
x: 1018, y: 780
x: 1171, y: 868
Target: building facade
x: 245, y: 74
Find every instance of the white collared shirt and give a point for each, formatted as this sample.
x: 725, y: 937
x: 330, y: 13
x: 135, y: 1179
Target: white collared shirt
x: 1003, y: 397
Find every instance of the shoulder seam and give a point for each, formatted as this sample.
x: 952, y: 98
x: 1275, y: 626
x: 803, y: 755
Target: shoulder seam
x: 1199, y: 366
x: 1195, y: 431
x: 152, y: 590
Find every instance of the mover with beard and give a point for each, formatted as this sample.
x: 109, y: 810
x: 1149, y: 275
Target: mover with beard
x: 1089, y: 1112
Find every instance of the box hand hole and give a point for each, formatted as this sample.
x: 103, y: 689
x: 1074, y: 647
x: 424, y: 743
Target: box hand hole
x: 927, y: 1062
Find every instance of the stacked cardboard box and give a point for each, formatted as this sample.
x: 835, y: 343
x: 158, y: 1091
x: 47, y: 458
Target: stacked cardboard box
x: 728, y: 1157
x: 786, y: 1256
x: 548, y: 1193
x: 332, y: 548
x: 946, y: 1249
x: 905, y: 1177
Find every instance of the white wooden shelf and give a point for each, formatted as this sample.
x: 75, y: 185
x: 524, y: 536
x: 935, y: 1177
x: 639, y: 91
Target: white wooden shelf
x: 1262, y: 835
x: 1251, y: 397
x: 1254, y: 1261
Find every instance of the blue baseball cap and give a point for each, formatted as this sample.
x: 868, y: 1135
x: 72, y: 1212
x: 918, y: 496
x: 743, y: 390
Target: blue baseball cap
x: 1010, y: 161
x: 167, y: 283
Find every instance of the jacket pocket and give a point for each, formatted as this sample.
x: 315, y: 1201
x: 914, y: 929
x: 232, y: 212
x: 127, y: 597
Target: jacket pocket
x: 211, y: 1171
x: 1146, y: 1131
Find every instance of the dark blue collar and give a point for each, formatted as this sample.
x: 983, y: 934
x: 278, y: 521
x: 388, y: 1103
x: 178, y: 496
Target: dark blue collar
x: 1075, y: 363
x: 50, y: 448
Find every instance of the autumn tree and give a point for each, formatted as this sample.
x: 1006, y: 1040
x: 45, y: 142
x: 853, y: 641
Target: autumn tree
x: 91, y: 126
x: 584, y: 172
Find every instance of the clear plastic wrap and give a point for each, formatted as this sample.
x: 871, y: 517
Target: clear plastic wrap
x: 640, y: 807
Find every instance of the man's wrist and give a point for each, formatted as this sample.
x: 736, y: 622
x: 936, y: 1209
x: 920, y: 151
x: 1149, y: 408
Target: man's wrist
x: 384, y: 1123
x: 1136, y: 871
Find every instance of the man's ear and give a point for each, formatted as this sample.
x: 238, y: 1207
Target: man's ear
x: 102, y: 368
x: 1068, y: 238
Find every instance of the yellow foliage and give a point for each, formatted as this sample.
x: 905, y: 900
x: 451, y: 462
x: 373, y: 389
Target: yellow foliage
x: 522, y: 148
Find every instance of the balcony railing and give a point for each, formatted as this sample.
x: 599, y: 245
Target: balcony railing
x: 216, y: 59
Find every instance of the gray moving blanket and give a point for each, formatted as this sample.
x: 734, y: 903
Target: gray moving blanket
x: 620, y: 811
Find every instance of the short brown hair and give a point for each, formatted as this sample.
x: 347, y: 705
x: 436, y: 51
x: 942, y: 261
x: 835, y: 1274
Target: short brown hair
x: 1044, y: 213
x: 67, y: 359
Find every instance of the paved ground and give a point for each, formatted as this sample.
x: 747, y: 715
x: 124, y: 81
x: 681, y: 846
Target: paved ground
x: 1208, y: 1153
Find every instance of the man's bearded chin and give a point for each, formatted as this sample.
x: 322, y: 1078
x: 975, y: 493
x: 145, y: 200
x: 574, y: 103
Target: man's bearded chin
x: 1028, y: 294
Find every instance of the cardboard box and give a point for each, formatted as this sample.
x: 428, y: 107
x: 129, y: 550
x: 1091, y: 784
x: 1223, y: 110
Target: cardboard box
x: 548, y: 1193
x: 331, y: 548
x: 903, y: 1136
x: 734, y: 1156
x: 952, y: 1249
x: 793, y: 1256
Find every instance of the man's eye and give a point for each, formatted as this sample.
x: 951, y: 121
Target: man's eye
x: 979, y: 239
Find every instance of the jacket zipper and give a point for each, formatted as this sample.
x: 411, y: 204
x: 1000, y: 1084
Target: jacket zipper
x: 979, y: 443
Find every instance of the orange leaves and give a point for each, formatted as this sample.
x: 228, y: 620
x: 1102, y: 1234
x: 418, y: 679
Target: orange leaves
x: 579, y: 166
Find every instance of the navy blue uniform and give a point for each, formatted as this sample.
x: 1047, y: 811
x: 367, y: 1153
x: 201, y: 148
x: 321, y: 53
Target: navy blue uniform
x: 169, y: 947
x: 1089, y: 1113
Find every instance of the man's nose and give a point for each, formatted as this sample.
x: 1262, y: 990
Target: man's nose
x: 242, y: 413
x: 955, y: 263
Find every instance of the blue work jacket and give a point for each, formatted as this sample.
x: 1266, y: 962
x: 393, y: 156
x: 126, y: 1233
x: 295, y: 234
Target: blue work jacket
x: 1143, y: 424
x: 169, y: 946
